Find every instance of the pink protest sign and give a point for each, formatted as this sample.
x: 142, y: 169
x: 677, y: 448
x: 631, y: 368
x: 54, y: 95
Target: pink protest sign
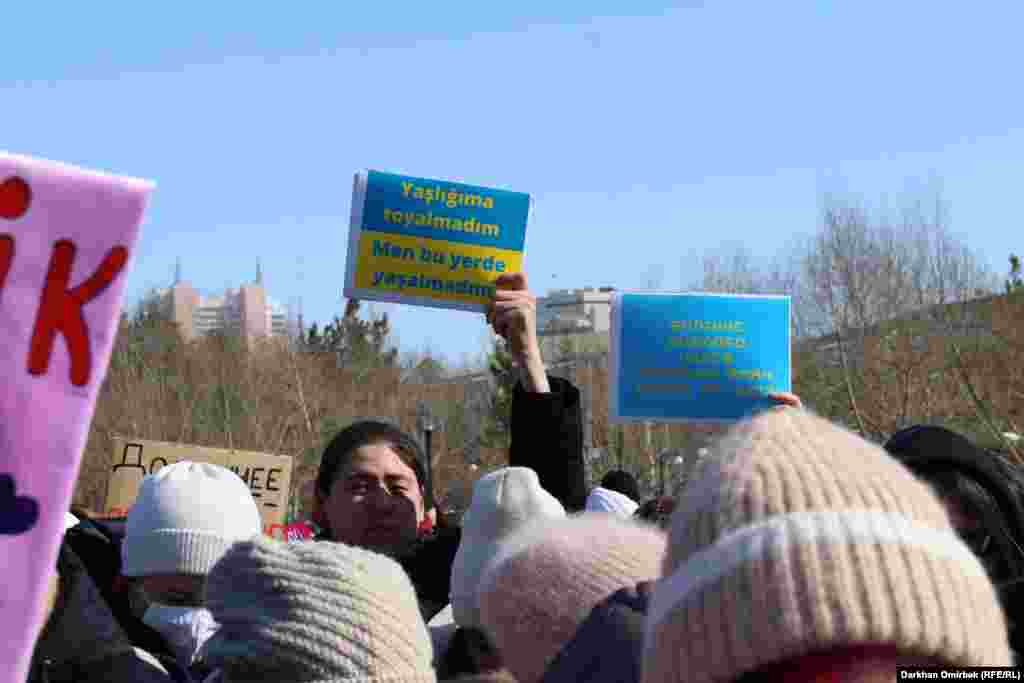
x: 66, y: 240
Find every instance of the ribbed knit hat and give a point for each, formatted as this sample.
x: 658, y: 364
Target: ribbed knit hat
x: 315, y: 612
x: 802, y: 538
x: 185, y: 518
x: 503, y: 501
x: 548, y: 577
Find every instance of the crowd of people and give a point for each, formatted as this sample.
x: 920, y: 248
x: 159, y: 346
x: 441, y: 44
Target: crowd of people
x: 798, y: 552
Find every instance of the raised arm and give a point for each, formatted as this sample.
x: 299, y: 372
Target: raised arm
x: 547, y: 422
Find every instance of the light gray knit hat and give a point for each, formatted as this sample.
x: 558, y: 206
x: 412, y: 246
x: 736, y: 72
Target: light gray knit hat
x: 315, y: 613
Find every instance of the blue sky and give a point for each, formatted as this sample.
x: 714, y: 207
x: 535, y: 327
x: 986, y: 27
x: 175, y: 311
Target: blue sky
x: 647, y: 140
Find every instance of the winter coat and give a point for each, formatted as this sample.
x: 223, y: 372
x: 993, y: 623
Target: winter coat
x: 83, y: 643
x: 608, y: 645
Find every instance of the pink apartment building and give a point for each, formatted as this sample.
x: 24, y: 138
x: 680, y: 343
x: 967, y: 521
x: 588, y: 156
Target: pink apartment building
x: 247, y: 310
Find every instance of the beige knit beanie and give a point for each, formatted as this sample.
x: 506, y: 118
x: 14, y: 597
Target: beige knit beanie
x: 549, y: 575
x: 803, y: 538
x: 315, y: 612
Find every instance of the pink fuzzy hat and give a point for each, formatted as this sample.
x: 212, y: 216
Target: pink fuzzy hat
x: 547, y: 577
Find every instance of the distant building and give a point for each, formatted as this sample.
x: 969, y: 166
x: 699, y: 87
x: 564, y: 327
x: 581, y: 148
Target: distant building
x: 574, y: 320
x: 246, y: 310
x: 569, y: 311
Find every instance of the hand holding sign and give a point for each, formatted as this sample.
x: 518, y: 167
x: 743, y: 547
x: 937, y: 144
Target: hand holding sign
x: 513, y: 315
x: 786, y: 399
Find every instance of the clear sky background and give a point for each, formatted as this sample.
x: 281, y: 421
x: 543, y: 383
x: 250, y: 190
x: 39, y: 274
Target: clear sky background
x: 647, y: 140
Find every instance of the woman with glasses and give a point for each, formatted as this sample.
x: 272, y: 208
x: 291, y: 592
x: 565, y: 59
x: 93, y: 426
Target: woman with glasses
x: 984, y: 494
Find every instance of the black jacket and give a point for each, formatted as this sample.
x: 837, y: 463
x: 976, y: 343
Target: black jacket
x: 82, y: 642
x: 98, y: 545
x: 547, y: 436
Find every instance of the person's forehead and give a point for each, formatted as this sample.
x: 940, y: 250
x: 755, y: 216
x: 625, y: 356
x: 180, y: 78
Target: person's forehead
x: 378, y: 460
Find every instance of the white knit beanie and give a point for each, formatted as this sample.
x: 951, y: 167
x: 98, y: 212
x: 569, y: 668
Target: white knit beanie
x: 613, y: 502
x: 315, y: 612
x: 802, y: 538
x: 185, y: 518
x: 502, y: 502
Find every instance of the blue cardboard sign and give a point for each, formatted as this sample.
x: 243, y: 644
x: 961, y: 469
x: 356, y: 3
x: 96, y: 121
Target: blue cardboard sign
x: 432, y: 242
x: 700, y: 358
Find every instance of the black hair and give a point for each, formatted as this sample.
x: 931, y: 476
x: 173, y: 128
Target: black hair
x: 622, y: 482
x: 343, y: 446
x: 988, y: 487
x: 657, y: 511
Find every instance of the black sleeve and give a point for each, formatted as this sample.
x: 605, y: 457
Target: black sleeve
x: 547, y: 436
x: 430, y: 570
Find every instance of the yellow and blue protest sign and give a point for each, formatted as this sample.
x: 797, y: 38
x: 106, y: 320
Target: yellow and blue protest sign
x: 432, y: 242
x: 699, y: 358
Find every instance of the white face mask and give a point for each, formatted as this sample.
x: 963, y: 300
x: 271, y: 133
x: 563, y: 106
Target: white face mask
x: 185, y: 628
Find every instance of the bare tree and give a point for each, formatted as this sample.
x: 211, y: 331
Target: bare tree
x: 877, y: 298
x: 864, y: 278
x: 732, y: 269
x: 864, y: 268
x: 729, y: 270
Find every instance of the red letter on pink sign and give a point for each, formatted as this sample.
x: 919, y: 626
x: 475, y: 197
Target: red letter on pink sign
x: 60, y: 310
x: 6, y: 257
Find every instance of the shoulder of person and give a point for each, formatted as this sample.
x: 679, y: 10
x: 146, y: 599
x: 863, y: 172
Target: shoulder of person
x: 81, y: 627
x: 121, y: 665
x: 429, y: 566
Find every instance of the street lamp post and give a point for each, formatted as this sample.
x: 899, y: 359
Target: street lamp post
x: 428, y: 422
x: 669, y: 456
x: 620, y: 445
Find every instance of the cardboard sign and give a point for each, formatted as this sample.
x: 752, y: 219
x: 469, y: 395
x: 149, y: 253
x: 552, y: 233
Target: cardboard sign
x: 269, y: 476
x: 705, y: 359
x: 431, y: 242
x: 66, y: 241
